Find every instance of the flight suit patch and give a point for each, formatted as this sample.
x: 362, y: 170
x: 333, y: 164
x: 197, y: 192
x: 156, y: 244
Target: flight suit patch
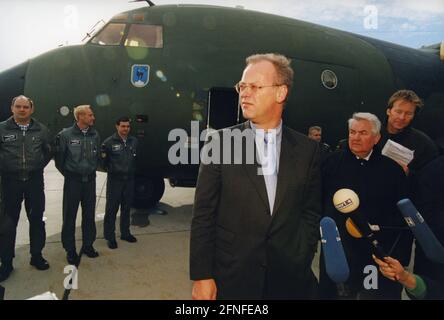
x: 9, y: 138
x: 74, y: 142
x: 116, y: 147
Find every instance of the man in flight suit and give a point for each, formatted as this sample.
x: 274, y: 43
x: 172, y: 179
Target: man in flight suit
x: 24, y: 152
x: 118, y: 158
x: 77, y: 155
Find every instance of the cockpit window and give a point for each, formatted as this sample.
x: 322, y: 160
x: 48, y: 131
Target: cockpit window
x: 111, y: 35
x: 147, y: 36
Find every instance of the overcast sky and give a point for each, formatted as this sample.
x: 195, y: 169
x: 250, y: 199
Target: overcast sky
x: 30, y: 27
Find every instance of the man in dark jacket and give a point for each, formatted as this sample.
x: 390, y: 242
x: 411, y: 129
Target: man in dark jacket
x: 379, y: 183
x: 255, y: 229
x: 77, y: 156
x: 24, y: 152
x: 430, y: 203
x: 315, y: 133
x: 118, y: 155
x: 402, y: 107
x: 427, y: 279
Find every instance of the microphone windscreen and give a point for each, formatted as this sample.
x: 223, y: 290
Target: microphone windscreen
x: 429, y: 243
x: 336, y: 264
x: 345, y: 200
x: 352, y: 229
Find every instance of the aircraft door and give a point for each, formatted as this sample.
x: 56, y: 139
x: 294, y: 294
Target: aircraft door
x: 323, y: 94
x: 223, y: 108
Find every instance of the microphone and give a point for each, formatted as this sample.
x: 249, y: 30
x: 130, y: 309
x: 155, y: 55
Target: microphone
x: 428, y: 241
x: 354, y: 231
x: 336, y: 264
x: 347, y: 201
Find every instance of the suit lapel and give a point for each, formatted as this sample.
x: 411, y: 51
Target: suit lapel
x: 252, y: 171
x: 287, y: 165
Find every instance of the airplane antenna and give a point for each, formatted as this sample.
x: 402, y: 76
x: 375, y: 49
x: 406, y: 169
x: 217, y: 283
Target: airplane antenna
x: 150, y: 3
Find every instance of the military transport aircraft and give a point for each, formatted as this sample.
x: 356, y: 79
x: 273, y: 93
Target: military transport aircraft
x: 165, y: 66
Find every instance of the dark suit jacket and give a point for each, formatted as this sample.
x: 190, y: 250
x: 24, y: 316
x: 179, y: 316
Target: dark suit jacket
x: 430, y: 203
x: 234, y: 239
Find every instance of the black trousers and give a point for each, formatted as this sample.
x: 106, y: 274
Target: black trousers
x: 119, y: 192
x: 76, y: 191
x: 14, y: 192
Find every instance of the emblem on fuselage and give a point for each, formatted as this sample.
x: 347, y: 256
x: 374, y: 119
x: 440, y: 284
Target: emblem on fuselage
x: 140, y: 75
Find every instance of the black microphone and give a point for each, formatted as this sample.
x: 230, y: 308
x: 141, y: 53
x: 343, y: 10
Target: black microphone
x: 347, y: 201
x: 428, y: 241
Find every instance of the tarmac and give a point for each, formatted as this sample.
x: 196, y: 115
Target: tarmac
x: 156, y: 267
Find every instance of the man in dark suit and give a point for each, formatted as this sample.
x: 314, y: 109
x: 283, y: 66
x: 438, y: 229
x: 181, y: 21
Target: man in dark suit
x: 255, y: 229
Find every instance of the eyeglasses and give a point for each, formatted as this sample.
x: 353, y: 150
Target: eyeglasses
x: 241, y: 86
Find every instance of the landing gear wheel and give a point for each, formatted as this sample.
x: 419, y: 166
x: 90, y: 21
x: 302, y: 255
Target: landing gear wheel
x: 148, y: 191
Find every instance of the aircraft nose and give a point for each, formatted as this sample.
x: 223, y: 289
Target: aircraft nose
x: 12, y: 84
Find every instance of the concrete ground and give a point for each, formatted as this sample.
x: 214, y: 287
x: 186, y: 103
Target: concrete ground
x: 156, y: 267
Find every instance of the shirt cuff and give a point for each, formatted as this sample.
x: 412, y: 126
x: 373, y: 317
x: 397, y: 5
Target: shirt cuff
x: 419, y: 292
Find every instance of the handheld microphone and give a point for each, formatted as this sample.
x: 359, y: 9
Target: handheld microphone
x: 336, y: 263
x: 347, y: 201
x: 354, y: 231
x: 429, y: 243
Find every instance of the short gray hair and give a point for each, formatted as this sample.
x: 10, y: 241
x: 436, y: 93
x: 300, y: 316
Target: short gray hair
x: 370, y: 117
x: 80, y: 110
x: 315, y: 128
x: 280, y: 62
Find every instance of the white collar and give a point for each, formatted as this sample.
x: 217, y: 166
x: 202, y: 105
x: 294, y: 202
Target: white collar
x: 366, y: 158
